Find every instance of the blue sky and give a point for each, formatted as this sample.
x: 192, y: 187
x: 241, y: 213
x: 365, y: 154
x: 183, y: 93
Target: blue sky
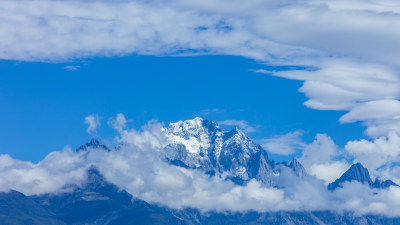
x: 46, y: 103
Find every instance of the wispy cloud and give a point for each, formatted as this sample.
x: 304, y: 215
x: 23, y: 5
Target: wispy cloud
x: 93, y: 122
x: 287, y: 144
x: 118, y: 123
x: 72, y: 68
x: 207, y: 112
x: 242, y: 124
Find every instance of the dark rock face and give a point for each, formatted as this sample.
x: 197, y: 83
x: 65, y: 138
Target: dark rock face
x: 100, y: 202
x: 360, y: 174
x: 93, y: 144
x: 16, y: 208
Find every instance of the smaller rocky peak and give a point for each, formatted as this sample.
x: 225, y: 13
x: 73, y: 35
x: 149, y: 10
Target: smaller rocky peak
x: 357, y: 172
x: 297, y: 168
x: 383, y: 184
x: 94, y: 176
x: 93, y: 144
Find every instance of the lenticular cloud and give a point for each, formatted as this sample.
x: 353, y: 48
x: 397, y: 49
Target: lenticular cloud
x: 138, y: 168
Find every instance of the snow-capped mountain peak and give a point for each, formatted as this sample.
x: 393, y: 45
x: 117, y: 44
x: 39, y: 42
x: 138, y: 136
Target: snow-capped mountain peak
x: 196, y: 134
x: 202, y: 144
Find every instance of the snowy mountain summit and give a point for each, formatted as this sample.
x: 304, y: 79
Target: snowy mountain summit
x: 202, y: 144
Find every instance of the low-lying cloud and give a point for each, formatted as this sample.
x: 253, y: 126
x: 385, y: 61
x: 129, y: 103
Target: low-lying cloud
x: 138, y: 168
x: 287, y: 144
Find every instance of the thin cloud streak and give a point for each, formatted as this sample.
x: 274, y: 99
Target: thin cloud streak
x: 287, y: 144
x: 242, y: 124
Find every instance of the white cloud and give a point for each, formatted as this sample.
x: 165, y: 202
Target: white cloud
x: 93, y: 122
x: 72, y: 68
x: 329, y: 171
x: 119, y: 123
x: 50, y: 175
x: 321, y: 158
x: 376, y: 153
x: 373, y: 110
x: 381, y: 116
x: 341, y: 84
x: 241, y: 124
x: 286, y: 144
x: 138, y: 168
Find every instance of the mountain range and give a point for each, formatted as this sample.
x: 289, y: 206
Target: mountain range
x: 202, y: 144
x: 196, y: 144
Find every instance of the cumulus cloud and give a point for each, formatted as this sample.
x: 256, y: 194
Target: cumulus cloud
x: 93, y: 122
x: 241, y: 124
x: 380, y: 153
x: 323, y: 159
x: 286, y: 144
x: 50, y: 175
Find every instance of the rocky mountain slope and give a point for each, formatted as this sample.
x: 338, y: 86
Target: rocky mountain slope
x: 202, y: 144
x: 358, y: 173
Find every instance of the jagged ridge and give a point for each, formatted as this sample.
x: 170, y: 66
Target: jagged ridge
x: 202, y: 144
x: 93, y: 144
x: 357, y: 172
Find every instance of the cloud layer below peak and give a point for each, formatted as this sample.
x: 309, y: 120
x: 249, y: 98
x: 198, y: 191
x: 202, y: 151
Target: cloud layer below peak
x: 138, y: 168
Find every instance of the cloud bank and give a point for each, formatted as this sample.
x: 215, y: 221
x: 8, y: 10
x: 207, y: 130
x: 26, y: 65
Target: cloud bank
x: 138, y: 168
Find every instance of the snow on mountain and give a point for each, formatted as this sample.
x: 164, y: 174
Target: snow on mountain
x: 202, y: 144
